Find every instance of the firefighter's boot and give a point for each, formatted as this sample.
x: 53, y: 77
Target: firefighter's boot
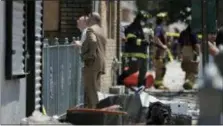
x: 160, y: 72
x: 189, y: 81
x: 189, y: 66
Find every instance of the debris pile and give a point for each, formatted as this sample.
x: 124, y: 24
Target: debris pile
x: 38, y: 118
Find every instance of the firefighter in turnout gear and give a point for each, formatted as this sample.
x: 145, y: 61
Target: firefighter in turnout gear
x: 160, y: 52
x: 189, y: 50
x: 136, y: 50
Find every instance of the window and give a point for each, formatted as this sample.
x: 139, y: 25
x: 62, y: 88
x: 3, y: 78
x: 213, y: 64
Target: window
x: 15, y: 40
x: 51, y: 15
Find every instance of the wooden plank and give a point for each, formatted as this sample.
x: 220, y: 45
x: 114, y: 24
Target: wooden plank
x: 104, y: 111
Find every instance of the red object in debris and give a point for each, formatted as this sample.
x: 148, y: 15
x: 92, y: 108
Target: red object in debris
x: 132, y: 80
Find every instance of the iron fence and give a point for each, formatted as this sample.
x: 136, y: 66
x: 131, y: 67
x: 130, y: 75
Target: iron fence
x: 62, y: 88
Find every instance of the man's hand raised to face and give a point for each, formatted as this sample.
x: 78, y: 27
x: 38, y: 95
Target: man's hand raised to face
x: 77, y: 43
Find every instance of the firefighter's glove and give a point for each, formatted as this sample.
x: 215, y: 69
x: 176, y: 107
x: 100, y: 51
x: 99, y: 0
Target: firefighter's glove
x: 164, y: 47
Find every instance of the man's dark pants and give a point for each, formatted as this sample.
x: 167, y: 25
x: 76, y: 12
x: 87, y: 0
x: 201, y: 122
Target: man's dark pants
x: 135, y: 64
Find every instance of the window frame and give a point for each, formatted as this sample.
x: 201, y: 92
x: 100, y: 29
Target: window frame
x: 9, y: 43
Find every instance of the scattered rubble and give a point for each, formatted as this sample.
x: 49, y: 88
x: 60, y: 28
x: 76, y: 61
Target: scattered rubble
x: 111, y: 111
x: 38, y: 118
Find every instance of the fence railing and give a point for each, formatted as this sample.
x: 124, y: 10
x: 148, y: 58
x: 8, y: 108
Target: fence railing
x: 62, y: 85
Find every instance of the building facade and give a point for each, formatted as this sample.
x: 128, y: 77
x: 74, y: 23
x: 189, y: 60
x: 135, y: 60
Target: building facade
x: 23, y: 25
x: 60, y: 21
x: 20, y: 75
x: 60, y: 17
x: 13, y: 91
x: 109, y: 11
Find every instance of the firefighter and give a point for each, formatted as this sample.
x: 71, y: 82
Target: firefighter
x: 189, y: 50
x: 160, y: 51
x: 136, y: 50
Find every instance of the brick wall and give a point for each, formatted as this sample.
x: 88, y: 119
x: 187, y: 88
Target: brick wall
x: 70, y: 10
x: 106, y: 79
x: 103, y: 10
x: 60, y: 17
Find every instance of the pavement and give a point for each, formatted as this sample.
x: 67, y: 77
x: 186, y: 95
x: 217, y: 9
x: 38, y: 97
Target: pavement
x: 174, y: 77
x: 174, y: 80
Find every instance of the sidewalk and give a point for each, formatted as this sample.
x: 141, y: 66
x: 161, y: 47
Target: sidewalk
x: 174, y: 77
x: 174, y: 80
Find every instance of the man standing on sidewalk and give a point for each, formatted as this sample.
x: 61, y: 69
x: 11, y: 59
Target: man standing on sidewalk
x: 93, y: 56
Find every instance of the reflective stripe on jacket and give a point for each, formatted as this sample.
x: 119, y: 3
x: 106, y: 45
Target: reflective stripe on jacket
x: 136, y: 46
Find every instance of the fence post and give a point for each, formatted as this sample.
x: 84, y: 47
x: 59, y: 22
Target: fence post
x: 56, y: 91
x: 45, y: 69
x: 70, y: 75
x: 79, y: 77
x: 56, y: 41
x: 66, y: 41
x: 76, y: 68
x: 73, y: 39
x: 67, y: 77
x: 46, y: 42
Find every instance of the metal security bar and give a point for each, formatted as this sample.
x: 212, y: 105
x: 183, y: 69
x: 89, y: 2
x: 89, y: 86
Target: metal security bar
x: 38, y: 51
x: 62, y: 88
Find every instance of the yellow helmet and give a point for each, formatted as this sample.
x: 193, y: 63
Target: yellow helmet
x: 162, y: 14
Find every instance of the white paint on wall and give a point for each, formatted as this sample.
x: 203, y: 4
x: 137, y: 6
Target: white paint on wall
x: 13, y: 92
